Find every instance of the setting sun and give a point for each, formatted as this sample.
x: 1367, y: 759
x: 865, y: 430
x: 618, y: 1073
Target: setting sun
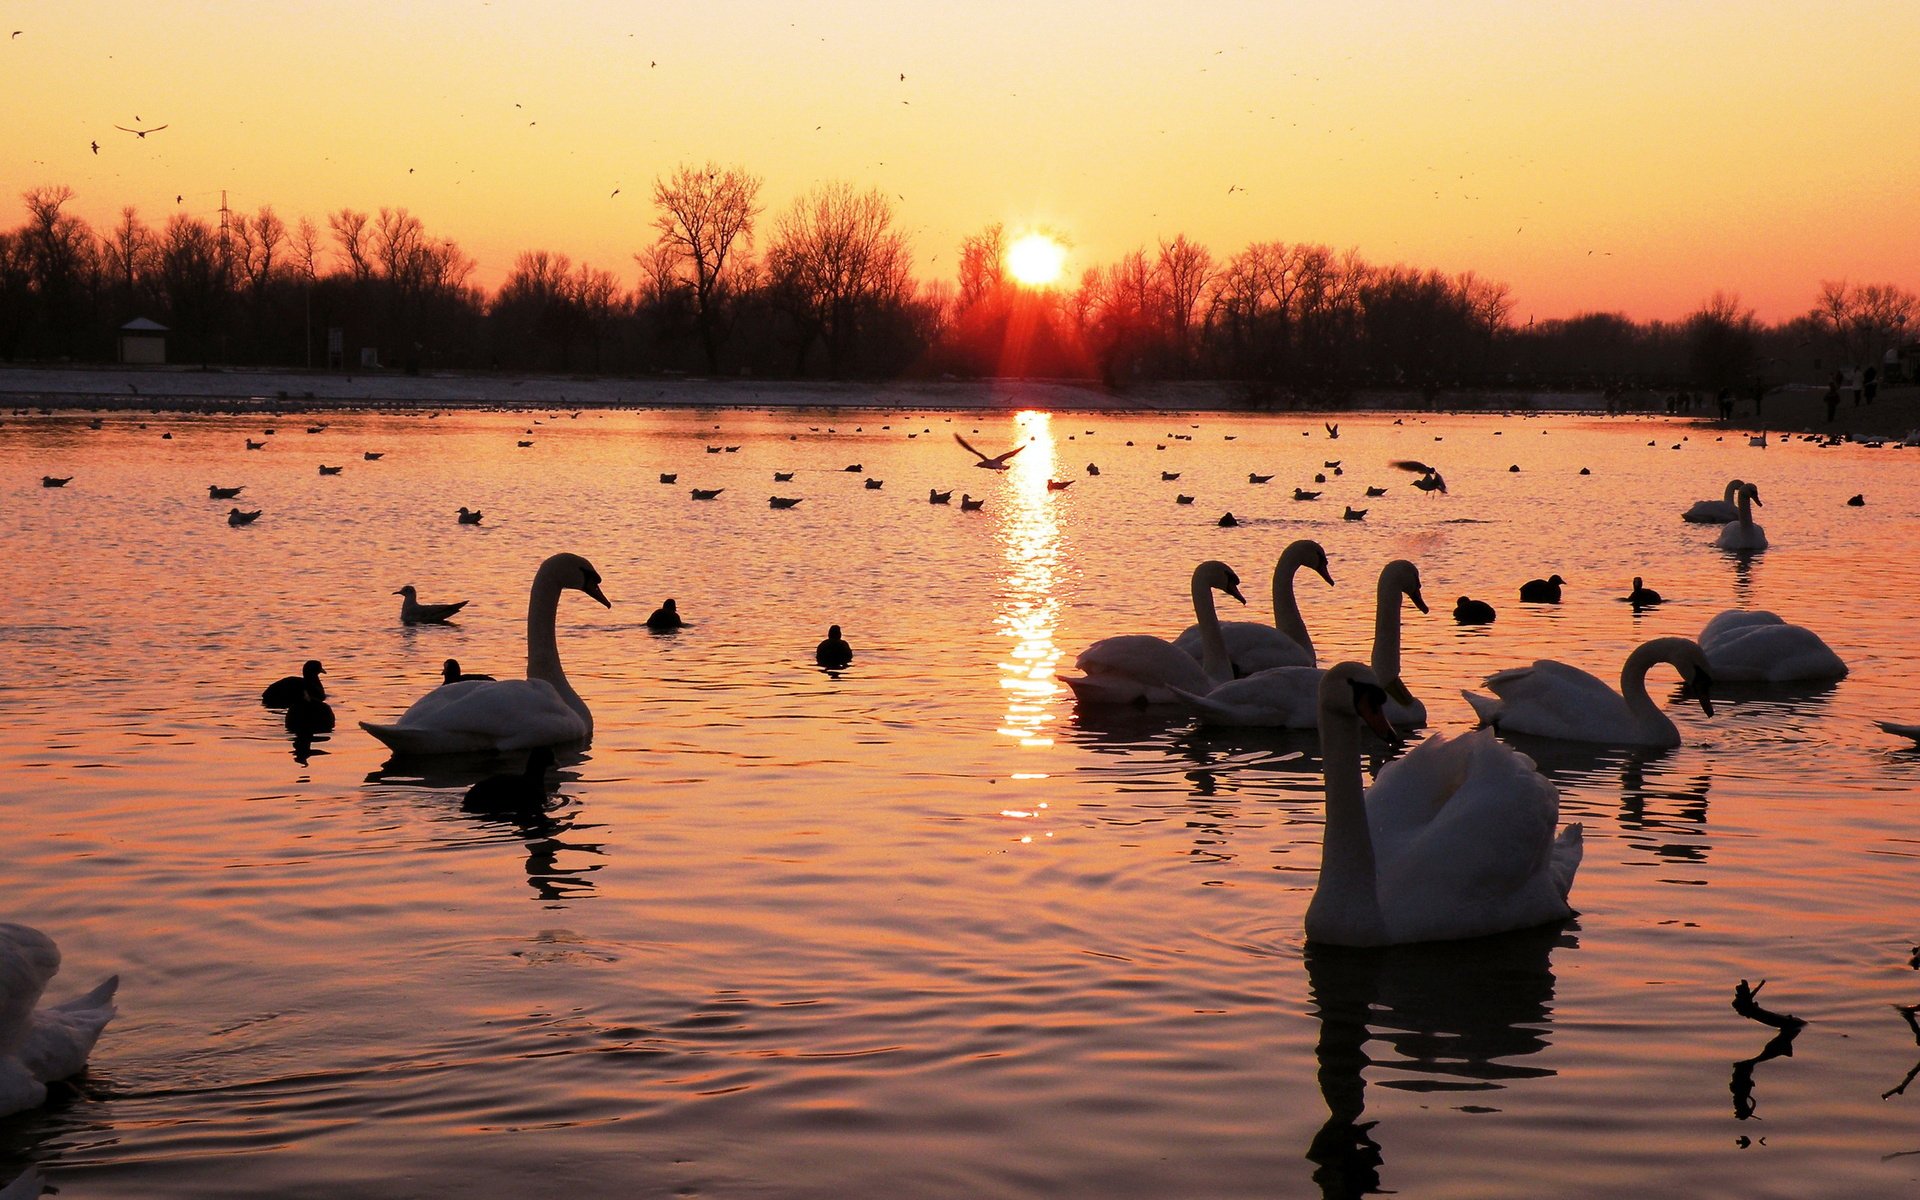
x: 1036, y: 259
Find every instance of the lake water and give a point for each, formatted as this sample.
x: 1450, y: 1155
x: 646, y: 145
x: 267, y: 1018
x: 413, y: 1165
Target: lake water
x: 924, y: 929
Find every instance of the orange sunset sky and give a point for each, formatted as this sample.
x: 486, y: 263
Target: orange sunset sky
x: 1628, y: 156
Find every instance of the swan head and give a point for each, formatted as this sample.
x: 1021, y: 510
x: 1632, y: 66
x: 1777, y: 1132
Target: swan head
x: 1698, y: 678
x: 1312, y: 555
x: 572, y: 571
x: 1402, y: 577
x: 1351, y: 690
x: 1220, y: 577
x: 1752, y: 492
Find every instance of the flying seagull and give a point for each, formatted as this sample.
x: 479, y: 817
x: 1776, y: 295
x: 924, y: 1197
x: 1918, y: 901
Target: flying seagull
x: 997, y: 462
x: 96, y: 147
x: 139, y: 133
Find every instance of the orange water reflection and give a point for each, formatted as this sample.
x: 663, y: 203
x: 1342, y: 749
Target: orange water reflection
x: 1029, y: 612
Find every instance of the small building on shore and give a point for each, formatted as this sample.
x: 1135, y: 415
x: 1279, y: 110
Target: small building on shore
x: 143, y: 343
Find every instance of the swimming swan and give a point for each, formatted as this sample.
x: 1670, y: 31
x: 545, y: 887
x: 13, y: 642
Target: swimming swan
x: 1759, y: 647
x: 1142, y: 669
x: 1454, y: 840
x: 507, y: 714
x: 1743, y: 534
x: 1289, y: 697
x: 1252, y: 646
x: 40, y: 1045
x: 1553, y: 700
x: 1716, y: 512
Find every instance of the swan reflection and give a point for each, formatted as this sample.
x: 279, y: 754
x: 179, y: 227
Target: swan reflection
x: 1445, y: 1017
x: 1030, y: 537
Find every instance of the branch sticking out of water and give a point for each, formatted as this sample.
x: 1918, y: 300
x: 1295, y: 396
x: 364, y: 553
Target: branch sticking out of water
x: 1746, y: 1004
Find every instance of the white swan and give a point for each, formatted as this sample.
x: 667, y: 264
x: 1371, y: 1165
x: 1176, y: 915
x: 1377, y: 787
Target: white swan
x: 1252, y: 646
x: 40, y: 1045
x: 1743, y: 534
x: 507, y: 714
x: 1142, y: 669
x: 1716, y: 512
x: 1750, y: 647
x: 1553, y: 700
x: 1454, y: 840
x: 1289, y: 697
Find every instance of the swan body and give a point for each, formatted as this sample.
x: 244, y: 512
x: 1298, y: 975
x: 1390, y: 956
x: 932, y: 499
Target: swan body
x: 1759, y: 647
x: 40, y: 1045
x: 1743, y: 534
x: 412, y: 612
x: 1716, y: 512
x: 1553, y: 700
x: 306, y: 685
x: 507, y: 714
x: 1289, y: 697
x: 1252, y: 646
x: 1142, y: 669
x: 1454, y: 840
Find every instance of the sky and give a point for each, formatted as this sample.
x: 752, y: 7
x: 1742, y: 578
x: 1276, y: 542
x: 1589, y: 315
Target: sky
x: 1626, y: 156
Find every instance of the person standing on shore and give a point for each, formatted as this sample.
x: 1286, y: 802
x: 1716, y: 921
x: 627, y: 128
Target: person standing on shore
x: 1726, y: 404
x: 1871, y: 383
x: 1833, y: 399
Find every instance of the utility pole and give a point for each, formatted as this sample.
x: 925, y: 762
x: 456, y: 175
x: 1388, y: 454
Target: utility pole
x: 226, y: 266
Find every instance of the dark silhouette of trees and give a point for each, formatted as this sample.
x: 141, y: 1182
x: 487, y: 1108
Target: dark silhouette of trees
x: 1860, y: 323
x: 61, y: 267
x: 1722, y: 342
x: 837, y: 267
x: 706, y: 224
x: 194, y: 287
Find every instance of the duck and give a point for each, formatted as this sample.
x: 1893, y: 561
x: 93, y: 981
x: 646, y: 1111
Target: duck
x: 1143, y: 669
x: 507, y: 714
x: 1542, y: 591
x: 1857, y: 500
x: 284, y: 691
x: 450, y: 672
x: 1092, y: 469
x: 1742, y: 534
x: 39, y: 1045
x: 1456, y: 839
x: 669, y: 477
x: 783, y: 502
x: 525, y: 792
x: 469, y: 516
x: 1553, y: 700
x: 833, y: 651
x: 665, y: 619
x: 1716, y: 512
x: 1288, y: 697
x: 1760, y: 647
x: 783, y: 476
x: 1643, y: 596
x: 1468, y: 611
x: 1255, y: 646
x: 236, y: 517
x: 1182, y: 498
x: 216, y: 492
x: 309, y: 714
x: 874, y: 485
x: 412, y: 612
x: 934, y: 496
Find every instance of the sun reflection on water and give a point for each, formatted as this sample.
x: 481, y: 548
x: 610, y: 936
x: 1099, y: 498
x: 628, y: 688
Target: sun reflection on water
x: 1029, y: 608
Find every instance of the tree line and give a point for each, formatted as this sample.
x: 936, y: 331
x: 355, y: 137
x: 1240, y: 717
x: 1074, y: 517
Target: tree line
x: 825, y: 289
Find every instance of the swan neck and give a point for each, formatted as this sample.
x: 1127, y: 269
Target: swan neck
x: 1214, y: 660
x: 543, y: 647
x: 1733, y: 492
x: 1633, y: 686
x: 1347, y: 895
x: 1386, y: 633
x: 1286, y: 609
x: 1746, y: 509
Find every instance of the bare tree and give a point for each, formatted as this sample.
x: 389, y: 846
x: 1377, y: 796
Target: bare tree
x: 983, y: 264
x: 128, y: 253
x: 1862, y: 322
x: 350, y: 230
x: 257, y: 241
x: 704, y: 212
x: 836, y: 259
x: 306, y: 249
x: 1181, y: 273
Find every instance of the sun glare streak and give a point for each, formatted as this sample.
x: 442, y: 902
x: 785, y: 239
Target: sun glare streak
x: 1036, y: 259
x: 1029, y: 608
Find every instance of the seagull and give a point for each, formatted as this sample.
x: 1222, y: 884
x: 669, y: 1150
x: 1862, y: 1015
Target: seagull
x: 523, y: 445
x: 1059, y: 485
x: 139, y: 133
x: 220, y: 493
x: 666, y: 477
x: 1169, y: 476
x: 374, y: 455
x: 1430, y: 479
x: 253, y: 445
x: 47, y: 481
x: 1355, y: 514
x: 1304, y: 494
x: 969, y: 504
x: 996, y: 462
x: 1376, y: 491
x: 96, y: 147
x: 783, y: 501
x: 874, y: 485
x: 1252, y: 478
x: 236, y: 517
x: 412, y: 612
x: 783, y: 476
x: 706, y: 493
x: 1333, y: 429
x: 326, y: 470
x: 469, y: 516
x: 935, y: 497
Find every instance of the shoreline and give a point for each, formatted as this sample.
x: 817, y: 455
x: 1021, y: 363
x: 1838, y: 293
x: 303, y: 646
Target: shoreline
x: 1795, y: 408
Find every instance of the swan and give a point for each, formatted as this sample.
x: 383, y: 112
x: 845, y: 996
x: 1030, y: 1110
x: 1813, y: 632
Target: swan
x: 40, y: 1045
x: 1289, y: 697
x: 507, y: 714
x: 1716, y: 512
x: 283, y: 692
x: 1553, y: 700
x: 1743, y: 534
x: 1252, y: 646
x: 1749, y: 647
x: 833, y: 652
x: 1142, y: 669
x: 1454, y: 840
x: 1899, y: 730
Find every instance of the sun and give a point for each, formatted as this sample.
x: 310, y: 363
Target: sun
x: 1036, y: 259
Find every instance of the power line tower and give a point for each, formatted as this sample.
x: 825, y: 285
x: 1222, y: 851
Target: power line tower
x: 226, y: 236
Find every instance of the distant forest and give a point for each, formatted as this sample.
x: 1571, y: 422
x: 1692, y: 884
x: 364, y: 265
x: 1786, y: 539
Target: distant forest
x: 824, y: 290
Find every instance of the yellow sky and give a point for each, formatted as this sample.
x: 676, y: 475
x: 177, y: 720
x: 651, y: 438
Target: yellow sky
x: 1619, y: 156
